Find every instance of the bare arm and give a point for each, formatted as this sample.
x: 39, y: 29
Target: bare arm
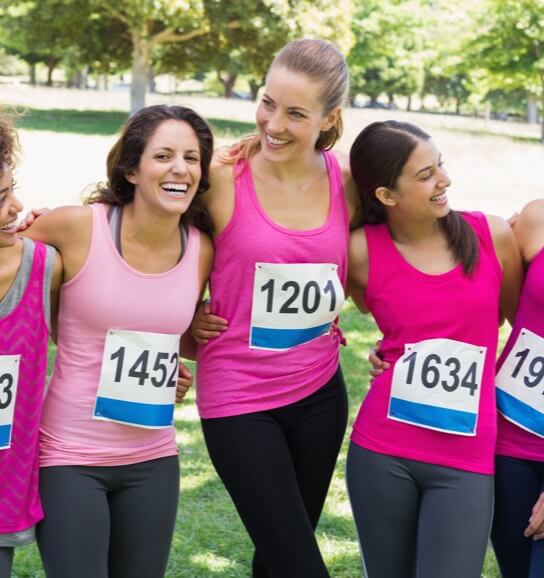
x: 358, y: 268
x: 350, y: 190
x: 509, y: 256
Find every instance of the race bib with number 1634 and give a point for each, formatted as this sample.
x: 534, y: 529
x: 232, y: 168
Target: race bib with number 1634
x: 293, y: 303
x: 138, y: 379
x: 436, y: 385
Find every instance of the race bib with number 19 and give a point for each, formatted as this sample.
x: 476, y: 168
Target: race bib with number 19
x: 293, y: 303
x: 436, y: 385
x: 9, y: 379
x: 520, y: 383
x: 138, y: 379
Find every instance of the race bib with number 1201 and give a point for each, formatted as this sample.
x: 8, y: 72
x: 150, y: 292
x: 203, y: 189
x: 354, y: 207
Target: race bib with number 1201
x: 520, y: 385
x: 436, y: 385
x: 138, y: 379
x: 293, y: 303
x: 9, y: 379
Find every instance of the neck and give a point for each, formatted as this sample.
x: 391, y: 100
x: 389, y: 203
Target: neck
x: 147, y: 228
x: 289, y: 171
x: 407, y: 232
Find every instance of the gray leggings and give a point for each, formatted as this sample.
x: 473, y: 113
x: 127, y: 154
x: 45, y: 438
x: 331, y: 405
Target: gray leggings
x: 416, y: 519
x: 108, y: 522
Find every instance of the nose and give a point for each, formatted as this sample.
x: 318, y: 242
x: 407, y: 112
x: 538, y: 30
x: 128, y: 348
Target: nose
x: 13, y: 205
x: 179, y: 166
x: 274, y: 123
x: 444, y: 178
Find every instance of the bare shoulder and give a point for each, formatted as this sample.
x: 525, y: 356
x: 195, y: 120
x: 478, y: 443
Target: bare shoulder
x: 219, y: 198
x: 358, y: 248
x: 499, y: 227
x: 221, y: 175
x: 504, y: 240
x: 350, y: 190
x: 529, y: 229
x: 532, y: 215
x: 205, y: 259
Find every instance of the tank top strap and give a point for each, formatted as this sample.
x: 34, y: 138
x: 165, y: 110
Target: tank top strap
x: 478, y: 221
x: 336, y: 188
x: 34, y: 287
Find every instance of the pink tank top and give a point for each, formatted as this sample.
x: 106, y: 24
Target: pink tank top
x: 512, y: 440
x: 24, y: 332
x: 433, y: 385
x: 276, y: 287
x: 109, y: 294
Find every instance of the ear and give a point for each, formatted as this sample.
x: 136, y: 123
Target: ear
x: 130, y: 176
x: 386, y: 196
x: 331, y: 119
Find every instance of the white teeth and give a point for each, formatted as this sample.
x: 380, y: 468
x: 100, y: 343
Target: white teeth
x: 8, y: 226
x: 176, y: 187
x: 440, y: 197
x: 275, y: 141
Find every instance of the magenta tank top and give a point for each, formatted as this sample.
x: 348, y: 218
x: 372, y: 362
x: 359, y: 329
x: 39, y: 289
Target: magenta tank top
x: 438, y: 405
x: 24, y: 333
x: 109, y: 294
x: 279, y: 289
x: 521, y: 369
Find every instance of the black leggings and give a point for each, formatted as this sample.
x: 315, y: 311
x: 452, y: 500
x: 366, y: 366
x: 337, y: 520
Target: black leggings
x: 108, y: 522
x: 277, y: 466
x: 6, y: 561
x: 418, y: 519
x: 518, y: 484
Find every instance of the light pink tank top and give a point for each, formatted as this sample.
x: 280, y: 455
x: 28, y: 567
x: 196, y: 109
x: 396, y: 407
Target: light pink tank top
x: 410, y: 306
x: 24, y: 332
x: 512, y: 440
x: 234, y: 378
x: 109, y: 294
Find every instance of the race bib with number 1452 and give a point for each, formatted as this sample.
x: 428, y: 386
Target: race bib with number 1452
x: 436, y: 385
x: 138, y: 379
x: 293, y: 303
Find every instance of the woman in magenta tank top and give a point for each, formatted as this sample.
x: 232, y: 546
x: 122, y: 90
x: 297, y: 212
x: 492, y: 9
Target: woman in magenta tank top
x: 421, y: 459
x: 135, y: 265
x: 518, y: 523
x: 29, y: 281
x: 269, y: 388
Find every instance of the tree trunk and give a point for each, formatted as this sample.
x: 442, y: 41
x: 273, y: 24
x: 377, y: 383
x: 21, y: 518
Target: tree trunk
x: 228, y: 82
x: 51, y: 65
x: 542, y: 114
x: 151, y: 84
x: 532, y: 109
x: 254, y: 87
x: 32, y: 73
x: 457, y: 106
x: 409, y: 103
x: 140, y: 67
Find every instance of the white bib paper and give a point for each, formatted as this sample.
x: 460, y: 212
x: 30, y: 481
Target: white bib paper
x: 436, y: 385
x: 520, y: 383
x: 9, y: 380
x: 138, y: 379
x: 293, y: 303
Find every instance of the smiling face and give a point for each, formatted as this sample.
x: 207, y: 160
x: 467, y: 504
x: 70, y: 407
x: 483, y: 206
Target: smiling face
x: 421, y: 189
x: 169, y: 171
x: 290, y: 115
x: 10, y: 207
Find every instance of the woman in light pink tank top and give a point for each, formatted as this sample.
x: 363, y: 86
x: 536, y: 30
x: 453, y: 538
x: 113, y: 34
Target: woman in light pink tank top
x: 421, y: 459
x: 29, y: 272
x: 518, y: 524
x: 270, y: 392
x: 135, y: 264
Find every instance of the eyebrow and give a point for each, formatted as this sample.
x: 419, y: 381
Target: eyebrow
x: 289, y: 108
x: 430, y: 167
x: 5, y: 191
x: 170, y: 149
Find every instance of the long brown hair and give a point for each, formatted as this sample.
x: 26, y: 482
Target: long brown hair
x: 377, y: 158
x: 126, y: 153
x: 320, y: 61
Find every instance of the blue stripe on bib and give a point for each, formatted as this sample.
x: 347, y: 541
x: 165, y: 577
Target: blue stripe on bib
x: 129, y: 412
x: 521, y: 413
x: 5, y: 435
x: 451, y: 420
x: 285, y: 338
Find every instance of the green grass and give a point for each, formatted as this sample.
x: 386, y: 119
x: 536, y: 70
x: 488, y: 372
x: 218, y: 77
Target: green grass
x: 210, y: 541
x: 107, y: 122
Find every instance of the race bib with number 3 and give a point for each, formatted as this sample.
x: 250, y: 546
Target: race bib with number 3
x: 293, y: 303
x: 436, y: 385
x: 138, y: 379
x: 9, y: 379
x: 520, y: 383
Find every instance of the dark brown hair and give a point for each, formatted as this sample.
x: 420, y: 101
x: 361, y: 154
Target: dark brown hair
x: 321, y: 62
x: 124, y: 157
x: 9, y: 143
x: 377, y: 159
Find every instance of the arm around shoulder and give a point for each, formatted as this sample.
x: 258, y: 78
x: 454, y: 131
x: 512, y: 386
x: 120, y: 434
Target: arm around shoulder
x: 509, y: 257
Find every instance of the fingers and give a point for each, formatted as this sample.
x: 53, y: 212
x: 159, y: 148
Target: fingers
x: 207, y: 326
x: 30, y: 217
x: 184, y: 383
x: 536, y: 521
x: 378, y: 365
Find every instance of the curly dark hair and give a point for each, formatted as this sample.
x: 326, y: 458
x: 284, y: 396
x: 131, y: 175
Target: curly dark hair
x: 124, y: 157
x: 9, y: 143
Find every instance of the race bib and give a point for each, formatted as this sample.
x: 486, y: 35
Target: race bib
x: 9, y: 379
x: 293, y: 303
x: 520, y: 386
x: 138, y: 379
x: 436, y: 385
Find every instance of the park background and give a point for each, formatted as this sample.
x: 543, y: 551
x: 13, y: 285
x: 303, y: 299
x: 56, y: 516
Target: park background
x: 471, y: 73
